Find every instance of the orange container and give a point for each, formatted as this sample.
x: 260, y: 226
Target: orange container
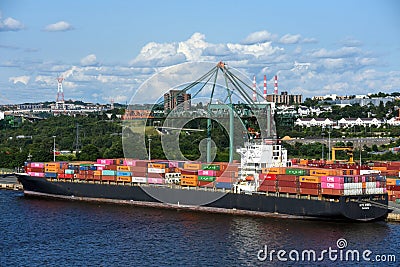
x: 379, y: 168
x: 124, y: 179
x: 333, y: 192
x: 309, y: 191
x: 52, y: 165
x: 310, y: 179
x: 156, y: 165
x: 138, y: 169
x: 189, y: 176
x: 390, y: 181
x: 274, y: 170
x: 123, y: 168
x: 290, y: 190
x: 50, y: 169
x: 192, y: 166
x: 303, y: 162
x: 108, y: 178
x: 324, y: 172
x: 189, y: 182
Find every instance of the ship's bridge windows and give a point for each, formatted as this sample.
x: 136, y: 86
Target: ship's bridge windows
x: 276, y: 154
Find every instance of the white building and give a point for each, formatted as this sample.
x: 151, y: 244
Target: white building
x: 350, y: 122
x: 310, y: 122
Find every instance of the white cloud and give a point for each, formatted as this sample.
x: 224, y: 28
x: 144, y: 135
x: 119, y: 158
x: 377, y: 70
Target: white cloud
x: 342, y: 52
x: 20, y: 79
x: 155, y: 54
x: 10, y: 24
x: 301, y: 69
x: 193, y: 47
x: 60, y: 26
x: 351, y: 42
x: 89, y: 60
x: 290, y: 39
x: 258, y: 37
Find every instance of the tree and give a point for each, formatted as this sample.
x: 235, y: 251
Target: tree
x: 89, y: 152
x: 115, y: 151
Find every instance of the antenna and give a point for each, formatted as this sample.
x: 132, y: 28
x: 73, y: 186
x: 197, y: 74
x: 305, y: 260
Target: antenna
x: 60, y: 104
x: 77, y: 142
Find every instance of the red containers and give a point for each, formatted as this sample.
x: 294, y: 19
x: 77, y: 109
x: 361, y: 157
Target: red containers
x: 287, y: 183
x: 205, y: 184
x: 267, y: 176
x: 309, y: 191
x: 309, y: 185
x: 108, y: 178
x: 290, y: 190
x: 267, y: 188
x: 285, y: 177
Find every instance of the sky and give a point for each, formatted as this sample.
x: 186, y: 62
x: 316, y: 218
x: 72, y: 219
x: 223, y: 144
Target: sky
x: 106, y: 50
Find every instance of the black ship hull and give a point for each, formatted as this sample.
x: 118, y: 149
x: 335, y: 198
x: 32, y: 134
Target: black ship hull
x: 358, y: 208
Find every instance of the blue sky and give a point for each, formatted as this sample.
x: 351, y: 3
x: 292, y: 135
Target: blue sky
x: 106, y: 49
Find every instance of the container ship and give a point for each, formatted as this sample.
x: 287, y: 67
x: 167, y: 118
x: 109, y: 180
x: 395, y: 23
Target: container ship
x: 264, y: 183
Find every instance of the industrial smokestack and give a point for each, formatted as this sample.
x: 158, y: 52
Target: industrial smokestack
x: 276, y: 85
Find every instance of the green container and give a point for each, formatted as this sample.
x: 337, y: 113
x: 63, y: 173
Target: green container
x: 398, y: 200
x: 298, y: 172
x: 211, y: 167
x: 206, y: 178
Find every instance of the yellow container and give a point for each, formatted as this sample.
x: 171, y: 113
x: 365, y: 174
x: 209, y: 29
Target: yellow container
x: 124, y: 179
x: 189, y: 182
x: 55, y: 165
x: 324, y: 172
x: 390, y: 181
x: 310, y: 179
x: 274, y: 170
x: 189, y: 176
x: 50, y: 169
x: 379, y: 168
x: 303, y: 162
x: 192, y: 166
x: 96, y: 172
x: 156, y: 165
x: 123, y: 168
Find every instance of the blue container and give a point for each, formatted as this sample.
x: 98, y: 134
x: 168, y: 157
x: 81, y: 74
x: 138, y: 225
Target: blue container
x: 50, y: 174
x: 180, y: 164
x: 108, y: 172
x: 93, y: 168
x: 397, y: 182
x: 223, y: 185
x: 83, y: 168
x: 122, y: 173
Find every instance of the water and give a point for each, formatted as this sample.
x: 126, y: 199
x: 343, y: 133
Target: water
x: 39, y: 232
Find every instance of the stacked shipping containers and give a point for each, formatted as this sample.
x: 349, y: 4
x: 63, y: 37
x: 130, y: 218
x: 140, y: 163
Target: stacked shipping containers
x: 316, y: 182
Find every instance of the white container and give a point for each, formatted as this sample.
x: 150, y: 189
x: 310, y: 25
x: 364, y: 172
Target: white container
x: 138, y: 179
x: 155, y: 170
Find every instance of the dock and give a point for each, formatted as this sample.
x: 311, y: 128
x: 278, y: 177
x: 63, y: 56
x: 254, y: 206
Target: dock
x: 9, y: 182
x: 394, y: 216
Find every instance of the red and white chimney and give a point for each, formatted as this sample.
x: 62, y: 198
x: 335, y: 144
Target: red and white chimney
x: 276, y: 85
